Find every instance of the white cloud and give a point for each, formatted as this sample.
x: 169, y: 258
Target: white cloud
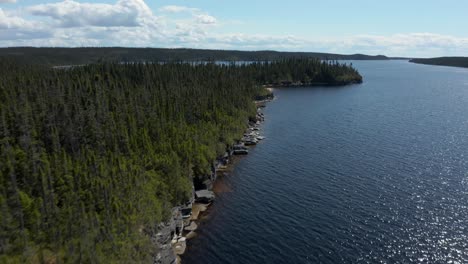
x: 132, y: 23
x: 411, y: 44
x: 69, y: 13
x: 12, y: 22
x: 199, y: 16
x: 205, y: 19
x: 178, y: 9
x: 16, y: 28
x: 7, y: 1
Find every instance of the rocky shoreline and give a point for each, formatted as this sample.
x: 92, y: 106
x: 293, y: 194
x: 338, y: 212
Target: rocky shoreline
x: 171, y: 237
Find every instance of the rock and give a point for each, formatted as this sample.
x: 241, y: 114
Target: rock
x: 197, y: 208
x: 192, y: 227
x: 204, y: 196
x: 241, y: 152
x: 165, y: 257
x: 180, y: 246
x: 163, y: 238
x: 250, y: 142
x: 239, y: 146
x: 191, y: 235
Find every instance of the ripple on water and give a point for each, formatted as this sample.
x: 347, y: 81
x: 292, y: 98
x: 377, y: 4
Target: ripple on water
x: 375, y: 173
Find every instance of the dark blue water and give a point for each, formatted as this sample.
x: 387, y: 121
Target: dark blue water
x: 371, y: 173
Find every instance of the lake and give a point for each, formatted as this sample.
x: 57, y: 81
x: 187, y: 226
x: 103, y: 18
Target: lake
x: 369, y: 173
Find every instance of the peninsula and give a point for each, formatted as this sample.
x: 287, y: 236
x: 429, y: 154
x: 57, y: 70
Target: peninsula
x: 94, y: 158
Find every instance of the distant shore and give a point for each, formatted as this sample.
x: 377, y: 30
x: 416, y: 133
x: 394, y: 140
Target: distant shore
x: 461, y: 62
x: 288, y: 84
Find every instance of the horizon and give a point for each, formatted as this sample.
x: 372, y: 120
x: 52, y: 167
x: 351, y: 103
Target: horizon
x: 410, y: 30
x: 188, y: 48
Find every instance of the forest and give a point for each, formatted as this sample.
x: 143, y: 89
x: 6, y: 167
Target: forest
x: 67, y: 56
x: 93, y: 157
x: 444, y: 61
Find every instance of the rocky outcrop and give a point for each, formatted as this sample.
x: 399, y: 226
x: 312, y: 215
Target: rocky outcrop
x: 204, y: 196
x: 170, y: 239
x: 166, y: 231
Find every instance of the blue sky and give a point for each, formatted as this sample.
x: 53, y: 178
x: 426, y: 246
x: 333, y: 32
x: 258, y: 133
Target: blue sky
x: 396, y: 28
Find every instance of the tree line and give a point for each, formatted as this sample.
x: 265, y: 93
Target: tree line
x: 444, y: 61
x: 66, y: 56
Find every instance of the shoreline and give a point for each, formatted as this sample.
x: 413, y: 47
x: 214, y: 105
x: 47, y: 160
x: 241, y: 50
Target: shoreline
x: 290, y: 84
x: 171, y: 239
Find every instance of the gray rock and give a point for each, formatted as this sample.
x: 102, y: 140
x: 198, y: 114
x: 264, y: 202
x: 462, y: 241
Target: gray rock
x: 162, y: 239
x: 204, y: 196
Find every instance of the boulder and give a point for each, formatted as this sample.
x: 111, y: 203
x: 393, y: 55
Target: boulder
x: 191, y: 235
x: 192, y: 227
x: 204, y: 196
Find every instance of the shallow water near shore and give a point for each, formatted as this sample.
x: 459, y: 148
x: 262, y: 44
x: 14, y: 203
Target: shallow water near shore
x: 369, y: 173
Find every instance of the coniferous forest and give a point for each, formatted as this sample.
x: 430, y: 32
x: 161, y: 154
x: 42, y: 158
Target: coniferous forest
x: 93, y: 157
x: 444, y: 61
x: 86, y: 55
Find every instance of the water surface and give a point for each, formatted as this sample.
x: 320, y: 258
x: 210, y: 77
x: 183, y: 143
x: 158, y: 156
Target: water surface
x: 370, y: 173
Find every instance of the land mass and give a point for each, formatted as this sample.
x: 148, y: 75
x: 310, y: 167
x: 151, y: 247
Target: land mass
x: 444, y: 61
x: 78, y: 56
x: 93, y: 158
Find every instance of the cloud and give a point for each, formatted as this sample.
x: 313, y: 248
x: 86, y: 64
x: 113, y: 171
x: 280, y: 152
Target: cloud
x: 200, y: 16
x: 410, y: 44
x: 7, y: 1
x: 16, y: 28
x: 69, y: 13
x: 12, y: 22
x: 205, y: 19
x: 247, y: 41
x: 177, y: 9
x: 132, y: 23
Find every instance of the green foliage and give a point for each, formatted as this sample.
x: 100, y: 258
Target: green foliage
x: 93, y: 157
x: 444, y: 61
x: 78, y: 56
x: 304, y: 72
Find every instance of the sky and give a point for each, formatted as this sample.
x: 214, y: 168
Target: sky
x: 406, y: 28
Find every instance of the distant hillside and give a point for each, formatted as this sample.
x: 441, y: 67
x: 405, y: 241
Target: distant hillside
x: 65, y: 56
x: 444, y: 61
x: 399, y: 58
